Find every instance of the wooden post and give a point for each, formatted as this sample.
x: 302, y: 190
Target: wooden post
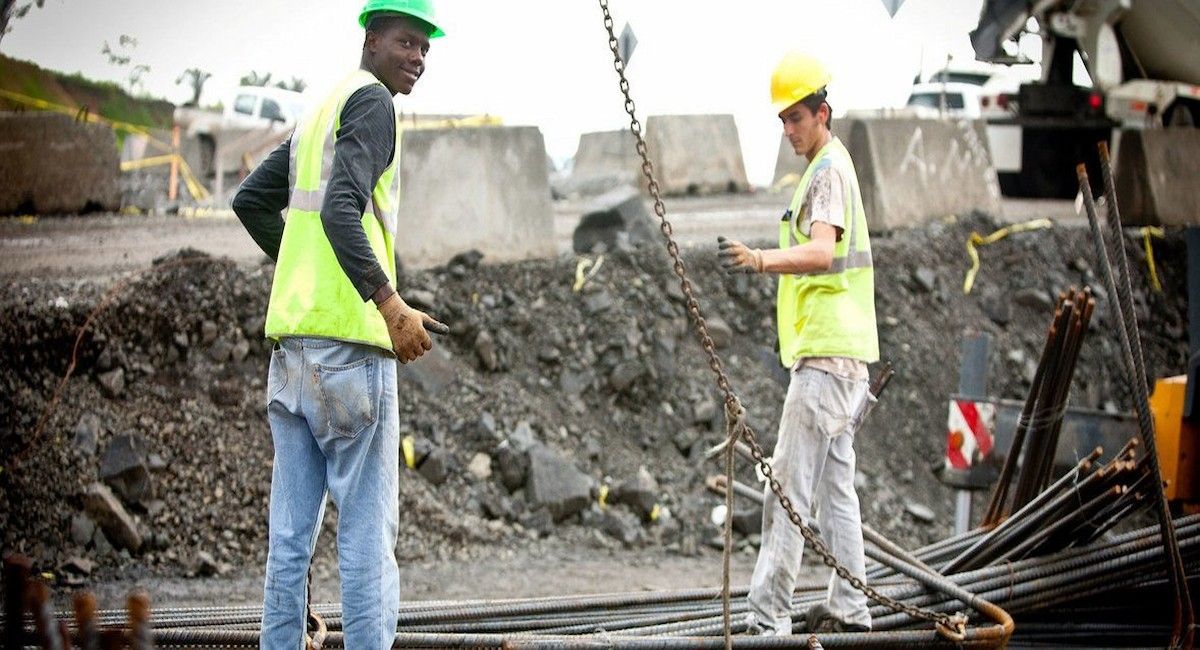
x: 173, y: 184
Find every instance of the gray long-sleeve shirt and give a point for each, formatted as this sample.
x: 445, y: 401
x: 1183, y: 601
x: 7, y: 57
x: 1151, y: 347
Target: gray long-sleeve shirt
x: 365, y: 145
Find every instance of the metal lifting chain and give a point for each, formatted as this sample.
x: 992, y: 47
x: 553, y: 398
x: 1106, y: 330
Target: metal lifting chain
x: 951, y: 626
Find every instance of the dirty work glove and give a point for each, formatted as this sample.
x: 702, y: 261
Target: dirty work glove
x: 736, y: 257
x: 406, y: 327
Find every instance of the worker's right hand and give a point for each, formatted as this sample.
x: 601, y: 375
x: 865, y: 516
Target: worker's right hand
x: 406, y: 327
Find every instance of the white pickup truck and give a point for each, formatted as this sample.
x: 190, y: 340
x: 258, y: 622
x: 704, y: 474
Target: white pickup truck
x: 251, y: 119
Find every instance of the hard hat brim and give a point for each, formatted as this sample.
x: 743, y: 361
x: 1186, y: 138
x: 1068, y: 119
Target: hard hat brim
x: 437, y: 32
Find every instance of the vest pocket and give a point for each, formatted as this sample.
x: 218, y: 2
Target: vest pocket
x: 350, y: 395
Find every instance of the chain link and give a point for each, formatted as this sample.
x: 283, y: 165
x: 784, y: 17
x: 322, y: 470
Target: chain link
x: 732, y: 403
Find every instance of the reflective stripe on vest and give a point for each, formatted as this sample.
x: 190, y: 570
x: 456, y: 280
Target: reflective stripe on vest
x: 310, y: 294
x: 829, y: 313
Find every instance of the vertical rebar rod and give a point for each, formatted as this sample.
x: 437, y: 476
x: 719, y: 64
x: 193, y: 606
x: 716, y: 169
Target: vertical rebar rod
x: 1126, y: 330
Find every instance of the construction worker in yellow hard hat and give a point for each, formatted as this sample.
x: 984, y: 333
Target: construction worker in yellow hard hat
x: 324, y: 207
x: 825, y: 315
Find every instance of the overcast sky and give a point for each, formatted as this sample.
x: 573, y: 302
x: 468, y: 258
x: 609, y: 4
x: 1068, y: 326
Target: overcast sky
x: 539, y: 62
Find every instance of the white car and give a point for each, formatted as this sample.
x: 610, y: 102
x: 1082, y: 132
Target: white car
x: 977, y: 91
x: 949, y: 99
x: 253, y: 105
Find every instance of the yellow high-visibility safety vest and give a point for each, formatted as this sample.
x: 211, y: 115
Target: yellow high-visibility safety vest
x: 311, y: 294
x: 830, y: 313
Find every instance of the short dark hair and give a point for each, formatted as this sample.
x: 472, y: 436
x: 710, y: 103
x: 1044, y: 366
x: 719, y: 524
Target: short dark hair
x: 381, y: 21
x: 813, y: 103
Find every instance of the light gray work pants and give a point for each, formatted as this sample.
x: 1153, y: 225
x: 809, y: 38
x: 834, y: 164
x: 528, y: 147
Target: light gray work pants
x: 814, y: 456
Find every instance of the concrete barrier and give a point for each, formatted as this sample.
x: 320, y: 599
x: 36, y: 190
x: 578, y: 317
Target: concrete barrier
x: 51, y: 164
x: 789, y: 166
x: 696, y: 154
x: 474, y: 188
x: 1157, y: 173
x: 912, y: 171
x: 604, y: 160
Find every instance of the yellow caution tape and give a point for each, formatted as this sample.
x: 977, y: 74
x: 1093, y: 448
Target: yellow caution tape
x: 194, y: 187
x: 142, y: 163
x: 452, y: 123
x: 979, y: 240
x: 584, y: 265
x: 1147, y: 233
x: 206, y: 213
x: 410, y: 452
x: 654, y: 512
x: 602, y: 499
x: 44, y: 105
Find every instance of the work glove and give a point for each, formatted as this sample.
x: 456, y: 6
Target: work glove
x: 736, y: 257
x: 406, y: 327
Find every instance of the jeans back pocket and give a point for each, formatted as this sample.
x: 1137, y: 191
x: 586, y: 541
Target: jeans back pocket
x: 350, y: 395
x: 277, y: 374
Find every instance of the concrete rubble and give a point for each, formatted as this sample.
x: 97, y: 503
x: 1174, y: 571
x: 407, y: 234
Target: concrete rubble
x: 575, y: 392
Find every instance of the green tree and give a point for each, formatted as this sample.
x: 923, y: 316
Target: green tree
x: 297, y: 84
x: 255, y: 79
x: 11, y: 9
x: 195, y: 78
x: 122, y: 57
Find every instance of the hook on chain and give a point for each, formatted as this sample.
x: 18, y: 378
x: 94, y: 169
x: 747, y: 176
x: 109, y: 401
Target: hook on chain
x: 953, y: 628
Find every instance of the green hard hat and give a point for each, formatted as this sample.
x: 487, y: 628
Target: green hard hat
x: 420, y: 9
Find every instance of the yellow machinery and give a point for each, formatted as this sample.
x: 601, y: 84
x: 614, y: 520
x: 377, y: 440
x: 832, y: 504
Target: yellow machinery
x: 1178, y: 443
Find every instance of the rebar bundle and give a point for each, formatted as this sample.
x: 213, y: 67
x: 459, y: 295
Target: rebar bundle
x: 1056, y: 556
x: 1036, y: 437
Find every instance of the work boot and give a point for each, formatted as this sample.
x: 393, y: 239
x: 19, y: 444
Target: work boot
x: 754, y: 628
x: 822, y: 621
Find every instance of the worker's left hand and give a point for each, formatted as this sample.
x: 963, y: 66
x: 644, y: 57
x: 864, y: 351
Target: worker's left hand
x: 736, y: 257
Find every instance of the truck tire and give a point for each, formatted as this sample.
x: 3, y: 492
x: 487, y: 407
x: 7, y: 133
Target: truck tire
x: 1181, y: 115
x: 1049, y: 156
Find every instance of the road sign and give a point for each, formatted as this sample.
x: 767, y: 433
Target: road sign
x: 892, y: 6
x: 626, y: 43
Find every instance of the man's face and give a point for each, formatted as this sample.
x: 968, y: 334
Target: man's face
x: 397, y: 53
x: 802, y: 127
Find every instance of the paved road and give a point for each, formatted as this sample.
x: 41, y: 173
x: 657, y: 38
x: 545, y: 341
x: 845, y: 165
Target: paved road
x: 103, y: 246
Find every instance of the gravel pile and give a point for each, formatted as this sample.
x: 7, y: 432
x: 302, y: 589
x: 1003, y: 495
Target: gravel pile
x: 543, y: 402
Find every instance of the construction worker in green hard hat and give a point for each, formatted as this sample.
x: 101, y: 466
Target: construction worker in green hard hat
x: 825, y: 314
x: 324, y: 207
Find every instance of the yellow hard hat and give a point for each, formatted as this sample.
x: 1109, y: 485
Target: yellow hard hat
x: 797, y: 76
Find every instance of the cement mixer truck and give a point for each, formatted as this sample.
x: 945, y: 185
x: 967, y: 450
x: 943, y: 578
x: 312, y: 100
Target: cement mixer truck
x: 1143, y: 59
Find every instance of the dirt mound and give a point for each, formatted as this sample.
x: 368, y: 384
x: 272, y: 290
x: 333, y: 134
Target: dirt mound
x: 73, y: 91
x: 166, y: 404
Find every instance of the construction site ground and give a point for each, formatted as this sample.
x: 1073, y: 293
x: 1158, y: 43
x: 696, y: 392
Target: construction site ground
x: 99, y: 246
x: 612, y: 383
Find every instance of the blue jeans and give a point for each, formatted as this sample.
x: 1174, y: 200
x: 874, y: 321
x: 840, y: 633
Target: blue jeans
x: 334, y: 423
